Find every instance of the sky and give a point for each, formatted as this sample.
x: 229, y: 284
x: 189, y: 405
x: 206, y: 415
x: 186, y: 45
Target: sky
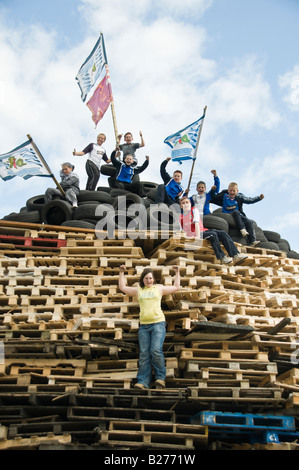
x: 168, y: 60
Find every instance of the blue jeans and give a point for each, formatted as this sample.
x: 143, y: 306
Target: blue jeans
x: 151, y: 338
x: 216, y: 237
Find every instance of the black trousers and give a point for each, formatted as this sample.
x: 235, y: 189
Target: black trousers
x: 93, y: 173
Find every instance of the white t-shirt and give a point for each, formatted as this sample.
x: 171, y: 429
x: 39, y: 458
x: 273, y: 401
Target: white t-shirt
x: 96, y: 154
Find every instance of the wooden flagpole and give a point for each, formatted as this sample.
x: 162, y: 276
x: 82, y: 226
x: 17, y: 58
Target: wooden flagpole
x: 196, y: 148
x: 112, y: 105
x: 46, y: 165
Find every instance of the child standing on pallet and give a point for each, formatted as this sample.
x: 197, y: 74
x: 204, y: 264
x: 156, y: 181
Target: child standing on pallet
x: 152, y: 330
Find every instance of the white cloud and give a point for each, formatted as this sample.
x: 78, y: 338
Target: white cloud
x: 289, y: 82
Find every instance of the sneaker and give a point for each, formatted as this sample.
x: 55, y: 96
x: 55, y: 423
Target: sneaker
x: 244, y: 232
x: 160, y: 382
x: 256, y: 242
x: 138, y: 385
x: 240, y: 257
x: 225, y: 260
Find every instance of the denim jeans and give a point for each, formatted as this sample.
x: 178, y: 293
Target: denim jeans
x: 243, y: 222
x: 151, y: 338
x: 216, y: 237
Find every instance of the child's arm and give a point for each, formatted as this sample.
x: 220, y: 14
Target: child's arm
x: 78, y: 154
x: 164, y: 175
x: 165, y: 290
x: 250, y: 200
x: 216, y: 186
x: 114, y: 160
x: 122, y: 283
x: 141, y: 168
x: 142, y: 144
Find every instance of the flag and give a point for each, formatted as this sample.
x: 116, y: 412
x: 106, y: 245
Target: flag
x: 23, y: 161
x: 100, y: 100
x: 90, y: 71
x: 183, y: 142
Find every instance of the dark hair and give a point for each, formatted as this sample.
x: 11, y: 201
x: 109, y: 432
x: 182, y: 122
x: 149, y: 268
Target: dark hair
x: 201, y: 182
x: 178, y: 171
x: 143, y: 274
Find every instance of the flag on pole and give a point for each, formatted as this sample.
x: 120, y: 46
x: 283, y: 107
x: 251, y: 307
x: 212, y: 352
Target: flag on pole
x: 183, y: 142
x: 23, y: 161
x: 100, y: 100
x: 90, y: 71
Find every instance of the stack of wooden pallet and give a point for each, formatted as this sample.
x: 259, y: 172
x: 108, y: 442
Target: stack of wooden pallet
x: 69, y: 345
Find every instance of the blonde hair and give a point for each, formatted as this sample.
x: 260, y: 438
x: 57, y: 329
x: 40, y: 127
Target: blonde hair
x: 101, y: 133
x: 233, y: 185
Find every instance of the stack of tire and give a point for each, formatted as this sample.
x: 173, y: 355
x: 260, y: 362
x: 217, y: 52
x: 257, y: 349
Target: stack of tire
x: 96, y: 206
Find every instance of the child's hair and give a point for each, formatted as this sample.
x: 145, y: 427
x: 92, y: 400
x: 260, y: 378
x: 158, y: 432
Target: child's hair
x: 201, y: 182
x: 143, y: 274
x: 178, y: 171
x: 101, y: 133
x: 232, y: 184
x: 183, y: 198
x: 68, y: 164
x: 128, y: 133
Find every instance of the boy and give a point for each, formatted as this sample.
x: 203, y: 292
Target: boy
x: 171, y: 190
x: 129, y: 147
x: 192, y: 225
x: 232, y: 203
x: 97, y: 153
x: 125, y: 173
x: 202, y: 199
x: 69, y: 183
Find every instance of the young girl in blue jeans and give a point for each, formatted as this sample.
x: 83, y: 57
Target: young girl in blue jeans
x: 152, y: 330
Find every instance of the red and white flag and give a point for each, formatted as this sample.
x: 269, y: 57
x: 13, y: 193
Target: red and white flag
x: 99, y: 102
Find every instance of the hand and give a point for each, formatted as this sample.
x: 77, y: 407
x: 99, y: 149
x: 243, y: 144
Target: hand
x: 147, y: 157
x: 168, y: 158
x: 262, y: 196
x: 122, y: 268
x: 213, y: 187
x: 175, y: 268
x: 140, y: 133
x: 214, y: 172
x: 74, y: 152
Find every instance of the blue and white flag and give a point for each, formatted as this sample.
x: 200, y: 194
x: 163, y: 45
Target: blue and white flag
x: 23, y: 161
x: 183, y: 142
x: 90, y: 71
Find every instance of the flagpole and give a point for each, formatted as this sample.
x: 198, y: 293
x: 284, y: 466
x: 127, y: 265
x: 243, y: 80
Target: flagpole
x: 196, y: 148
x: 112, y: 104
x: 46, y: 165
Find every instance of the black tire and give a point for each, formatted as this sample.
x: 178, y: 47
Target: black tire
x: 211, y: 221
x: 32, y: 217
x: 78, y: 223
x: 108, y: 170
x: 120, y: 220
x: 240, y: 240
x: 36, y: 203
x: 285, y: 244
x: 106, y: 189
x: 89, y: 211
x: 259, y: 234
x: 149, y: 186
x: 100, y: 196
x: 56, y: 212
x: 293, y: 254
x: 126, y: 199
x: 228, y: 217
x: 268, y: 246
x: 162, y: 217
x: 272, y: 236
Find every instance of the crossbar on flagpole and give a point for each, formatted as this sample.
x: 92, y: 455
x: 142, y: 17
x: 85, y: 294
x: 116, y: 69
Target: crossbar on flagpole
x: 196, y: 148
x: 46, y: 165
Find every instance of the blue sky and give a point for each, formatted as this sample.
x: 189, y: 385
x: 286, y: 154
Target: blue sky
x: 168, y: 60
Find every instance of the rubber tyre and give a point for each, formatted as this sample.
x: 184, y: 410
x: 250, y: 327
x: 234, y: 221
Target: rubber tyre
x: 100, y: 196
x: 269, y: 246
x: 159, y: 215
x: 78, y: 223
x: 108, y: 170
x: 35, y: 203
x: 228, y: 217
x: 272, y: 236
x: 32, y: 217
x: 212, y: 221
x: 56, y: 212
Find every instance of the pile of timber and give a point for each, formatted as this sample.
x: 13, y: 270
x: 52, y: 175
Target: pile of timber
x: 69, y: 344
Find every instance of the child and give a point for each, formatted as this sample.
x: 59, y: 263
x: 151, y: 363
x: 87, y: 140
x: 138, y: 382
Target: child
x: 152, y: 328
x: 129, y: 147
x: 97, y: 153
x: 69, y: 183
x: 192, y: 225
x: 171, y: 190
x: 125, y: 173
x: 202, y: 199
x: 232, y: 203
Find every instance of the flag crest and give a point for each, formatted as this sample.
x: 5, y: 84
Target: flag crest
x: 183, y: 142
x: 91, y: 69
x: 23, y: 161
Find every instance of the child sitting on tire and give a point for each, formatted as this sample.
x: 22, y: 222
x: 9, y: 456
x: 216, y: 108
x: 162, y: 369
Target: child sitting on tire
x: 69, y: 183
